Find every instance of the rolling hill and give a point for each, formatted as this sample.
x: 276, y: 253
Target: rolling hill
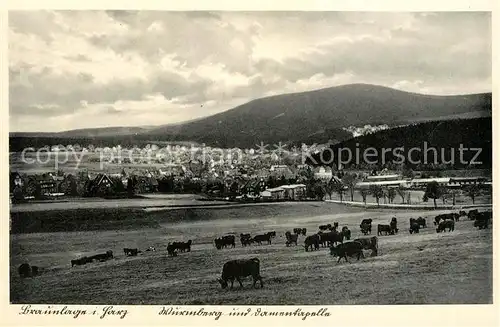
x: 314, y: 116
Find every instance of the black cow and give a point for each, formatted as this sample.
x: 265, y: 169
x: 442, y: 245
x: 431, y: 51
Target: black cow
x: 482, y: 219
x: 34, y: 271
x: 245, y: 239
x: 384, y: 229
x: 235, y: 269
x: 80, y: 261
x: 414, y: 226
x: 366, y: 226
x: 394, y: 226
x: 24, y: 270
x: 450, y: 224
x: 462, y: 213
x: 102, y: 256
x: 222, y: 242
x: 421, y: 222
x: 131, y: 252
x: 330, y: 238
x: 451, y: 216
x: 369, y: 244
x: 263, y: 238
x: 184, y: 246
x: 346, y: 233
x: 291, y: 238
x: 347, y: 249
x: 334, y: 227
x: 312, y: 240
x: 325, y: 227
x: 299, y: 231
x: 171, y: 250
x: 472, y: 214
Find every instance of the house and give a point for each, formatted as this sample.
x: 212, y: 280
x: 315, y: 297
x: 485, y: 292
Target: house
x: 422, y: 182
x: 294, y: 191
x: 146, y: 184
x: 458, y: 182
x: 101, y: 185
x: 324, y: 173
x: 276, y: 193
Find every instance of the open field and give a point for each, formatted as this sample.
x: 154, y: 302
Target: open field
x: 428, y: 267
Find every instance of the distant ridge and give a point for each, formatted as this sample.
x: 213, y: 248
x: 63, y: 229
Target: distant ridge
x: 312, y: 117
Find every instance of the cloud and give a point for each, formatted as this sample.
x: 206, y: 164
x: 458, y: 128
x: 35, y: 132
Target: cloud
x: 80, y: 69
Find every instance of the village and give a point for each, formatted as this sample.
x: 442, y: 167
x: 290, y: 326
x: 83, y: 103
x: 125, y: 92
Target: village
x: 263, y: 175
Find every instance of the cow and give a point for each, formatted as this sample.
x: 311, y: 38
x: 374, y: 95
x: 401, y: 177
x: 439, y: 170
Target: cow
x: 347, y: 249
x: 312, y: 240
x: 482, y: 219
x: 369, y: 244
x: 472, y: 214
x: 346, y: 233
x: 24, y: 270
x: 291, y: 238
x: 80, y: 261
x: 445, y: 216
x: 102, y: 256
x: 34, y: 271
x: 421, y: 222
x: 462, y: 213
x: 131, y: 252
x: 184, y: 246
x: 272, y: 234
x: 414, y: 226
x: 450, y: 224
x: 334, y: 227
x: 384, y: 229
x: 222, y: 242
x: 394, y: 226
x: 245, y: 239
x: 235, y: 269
x: 263, y: 238
x: 330, y: 238
x: 325, y: 227
x: 366, y: 226
x: 171, y: 250
x: 299, y: 231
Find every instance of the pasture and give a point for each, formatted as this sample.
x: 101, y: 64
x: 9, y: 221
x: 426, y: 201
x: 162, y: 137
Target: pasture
x: 424, y: 268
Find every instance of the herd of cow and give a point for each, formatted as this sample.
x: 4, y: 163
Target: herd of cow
x: 327, y: 236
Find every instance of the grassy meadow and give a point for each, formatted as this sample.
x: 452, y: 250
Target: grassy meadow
x: 446, y: 268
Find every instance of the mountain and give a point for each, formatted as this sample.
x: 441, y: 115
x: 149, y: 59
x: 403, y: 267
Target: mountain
x: 446, y: 137
x: 314, y: 116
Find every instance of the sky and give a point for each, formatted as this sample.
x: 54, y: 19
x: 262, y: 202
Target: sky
x: 88, y: 69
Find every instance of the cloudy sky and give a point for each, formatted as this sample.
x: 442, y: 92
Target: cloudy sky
x: 84, y: 69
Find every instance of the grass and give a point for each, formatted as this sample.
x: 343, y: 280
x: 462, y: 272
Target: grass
x: 426, y: 268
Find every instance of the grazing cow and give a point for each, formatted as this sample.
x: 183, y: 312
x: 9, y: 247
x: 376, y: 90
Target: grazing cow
x: 222, y: 242
x: 446, y: 216
x: 299, y: 231
x: 366, y: 226
x: 330, y: 238
x: 235, y: 269
x: 347, y: 249
x: 24, y: 270
x: 414, y: 226
x: 171, y: 250
x: 131, y: 252
x: 325, y: 227
x: 369, y: 244
x: 291, y: 238
x: 450, y: 224
x: 384, y: 229
x: 482, y: 219
x: 102, y: 256
x: 245, y: 239
x: 472, y: 214
x: 421, y: 222
x: 184, y: 246
x: 263, y: 238
x: 80, y: 261
x: 346, y: 233
x: 312, y: 240
x: 394, y: 226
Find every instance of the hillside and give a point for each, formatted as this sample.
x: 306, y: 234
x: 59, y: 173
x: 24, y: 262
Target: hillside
x: 445, y: 136
x: 314, y: 116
